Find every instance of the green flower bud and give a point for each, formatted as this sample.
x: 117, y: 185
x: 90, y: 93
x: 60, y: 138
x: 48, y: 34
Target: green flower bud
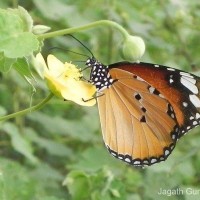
x: 133, y: 48
x: 40, y: 29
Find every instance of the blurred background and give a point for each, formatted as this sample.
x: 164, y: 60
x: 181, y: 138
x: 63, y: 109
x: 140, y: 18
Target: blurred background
x: 57, y: 153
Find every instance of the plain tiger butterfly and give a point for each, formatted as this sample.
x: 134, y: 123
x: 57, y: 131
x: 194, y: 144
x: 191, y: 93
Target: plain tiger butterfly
x: 144, y: 108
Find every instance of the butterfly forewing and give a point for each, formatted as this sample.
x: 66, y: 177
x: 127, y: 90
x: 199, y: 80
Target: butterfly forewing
x: 180, y: 88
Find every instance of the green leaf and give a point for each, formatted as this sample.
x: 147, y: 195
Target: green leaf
x: 14, y: 42
x: 96, y: 186
x: 117, y: 190
x: 93, y: 158
x: 47, y: 173
x: 23, y: 44
x: 22, y: 68
x: 52, y: 147
x: 15, y: 181
x: 6, y: 64
x: 25, y: 17
x: 18, y: 182
x: 19, y: 143
x: 78, y: 185
x: 72, y: 128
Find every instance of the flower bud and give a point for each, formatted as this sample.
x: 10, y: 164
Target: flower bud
x: 133, y: 48
x: 40, y: 29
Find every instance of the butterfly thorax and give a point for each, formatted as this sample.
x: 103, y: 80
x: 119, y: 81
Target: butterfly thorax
x: 99, y: 76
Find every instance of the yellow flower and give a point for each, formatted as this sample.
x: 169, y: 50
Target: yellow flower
x: 63, y: 79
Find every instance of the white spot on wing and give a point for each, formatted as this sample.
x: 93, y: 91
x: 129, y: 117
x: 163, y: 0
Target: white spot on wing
x: 167, y: 152
x: 195, y: 100
x: 146, y: 162
x: 192, y: 87
x: 114, y: 154
x: 186, y: 74
x: 151, y: 89
x: 185, y: 104
x: 139, y: 79
x: 127, y: 160
x: 197, y: 115
x: 153, y: 160
x: 137, y: 162
x: 192, y: 80
x: 195, y: 123
x: 170, y: 69
x: 161, y: 96
x: 173, y: 137
x: 162, y: 158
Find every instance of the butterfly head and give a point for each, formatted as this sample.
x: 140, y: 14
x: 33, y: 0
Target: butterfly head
x: 91, y: 62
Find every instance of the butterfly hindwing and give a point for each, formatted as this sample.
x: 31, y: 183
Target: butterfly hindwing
x: 138, y: 127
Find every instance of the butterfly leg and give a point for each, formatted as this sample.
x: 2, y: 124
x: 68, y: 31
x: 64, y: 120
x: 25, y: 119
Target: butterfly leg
x: 97, y: 96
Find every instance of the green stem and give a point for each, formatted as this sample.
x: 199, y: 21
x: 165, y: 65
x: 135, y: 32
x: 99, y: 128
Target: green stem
x: 84, y: 27
x: 28, y: 110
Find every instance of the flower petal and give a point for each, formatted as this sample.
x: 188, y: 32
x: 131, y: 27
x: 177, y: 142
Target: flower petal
x: 54, y: 85
x: 80, y: 92
x: 78, y: 100
x: 40, y: 65
x: 56, y: 67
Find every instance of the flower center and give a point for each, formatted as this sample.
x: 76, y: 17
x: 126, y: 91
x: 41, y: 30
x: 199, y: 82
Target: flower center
x: 71, y: 72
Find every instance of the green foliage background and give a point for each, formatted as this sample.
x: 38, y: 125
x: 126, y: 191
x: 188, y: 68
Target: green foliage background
x: 57, y: 153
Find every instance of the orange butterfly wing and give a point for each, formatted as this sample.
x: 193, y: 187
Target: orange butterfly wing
x: 180, y: 88
x: 138, y: 126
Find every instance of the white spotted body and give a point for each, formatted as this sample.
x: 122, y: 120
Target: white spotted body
x: 99, y: 76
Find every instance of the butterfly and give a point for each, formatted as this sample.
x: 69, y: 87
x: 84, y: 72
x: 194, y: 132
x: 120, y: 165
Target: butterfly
x: 144, y: 108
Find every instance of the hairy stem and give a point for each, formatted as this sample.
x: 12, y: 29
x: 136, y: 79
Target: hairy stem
x: 84, y: 27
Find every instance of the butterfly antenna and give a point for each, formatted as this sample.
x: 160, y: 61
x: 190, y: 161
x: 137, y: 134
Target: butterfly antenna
x: 82, y: 45
x: 52, y: 48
